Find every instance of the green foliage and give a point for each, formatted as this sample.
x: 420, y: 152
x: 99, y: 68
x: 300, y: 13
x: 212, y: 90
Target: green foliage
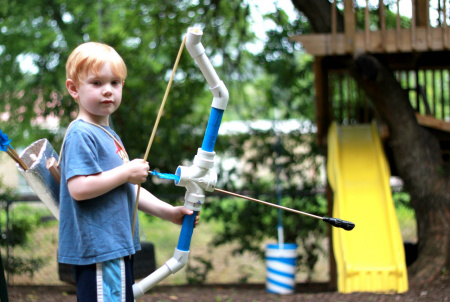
x: 197, y: 273
x: 299, y: 168
x: 148, y: 36
x: 16, y: 234
x: 289, y: 84
x: 23, y: 223
x: 24, y: 265
x: 401, y: 199
x: 403, y: 208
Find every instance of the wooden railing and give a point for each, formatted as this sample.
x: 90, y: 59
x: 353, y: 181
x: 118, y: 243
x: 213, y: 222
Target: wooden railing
x: 420, y: 25
x: 349, y: 104
x: 428, y: 89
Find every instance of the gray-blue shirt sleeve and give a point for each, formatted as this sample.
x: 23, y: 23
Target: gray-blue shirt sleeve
x: 80, y: 155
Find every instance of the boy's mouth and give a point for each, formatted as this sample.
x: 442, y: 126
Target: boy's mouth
x: 107, y: 102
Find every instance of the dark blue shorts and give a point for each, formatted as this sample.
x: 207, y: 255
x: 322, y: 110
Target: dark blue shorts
x: 109, y: 281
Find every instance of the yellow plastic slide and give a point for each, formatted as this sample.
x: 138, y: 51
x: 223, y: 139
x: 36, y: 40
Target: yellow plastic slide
x: 371, y: 257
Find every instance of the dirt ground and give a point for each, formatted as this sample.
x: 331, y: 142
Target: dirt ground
x: 437, y: 291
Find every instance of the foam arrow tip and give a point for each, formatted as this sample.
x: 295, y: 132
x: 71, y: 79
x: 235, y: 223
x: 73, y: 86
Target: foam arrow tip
x: 339, y: 223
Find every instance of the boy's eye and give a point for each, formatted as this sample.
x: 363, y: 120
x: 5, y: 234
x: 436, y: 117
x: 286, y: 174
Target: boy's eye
x: 96, y: 83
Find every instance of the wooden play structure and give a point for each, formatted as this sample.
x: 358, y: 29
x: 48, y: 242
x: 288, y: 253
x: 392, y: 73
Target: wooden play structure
x: 412, y: 37
x: 418, y: 54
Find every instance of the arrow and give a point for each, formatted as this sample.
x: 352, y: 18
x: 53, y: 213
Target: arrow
x: 339, y: 223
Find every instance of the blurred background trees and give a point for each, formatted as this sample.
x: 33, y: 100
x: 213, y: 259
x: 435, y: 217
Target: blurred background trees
x: 268, y: 77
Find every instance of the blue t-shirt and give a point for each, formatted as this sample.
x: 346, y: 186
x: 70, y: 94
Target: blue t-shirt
x: 98, y: 229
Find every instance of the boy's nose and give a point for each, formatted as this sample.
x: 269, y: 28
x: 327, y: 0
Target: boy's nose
x: 107, y: 90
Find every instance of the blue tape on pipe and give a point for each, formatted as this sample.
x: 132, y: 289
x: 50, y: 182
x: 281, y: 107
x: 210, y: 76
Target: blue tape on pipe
x: 209, y: 141
x: 212, y: 129
x: 187, y: 229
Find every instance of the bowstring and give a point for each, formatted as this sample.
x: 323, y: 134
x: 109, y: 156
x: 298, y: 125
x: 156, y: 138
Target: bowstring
x: 158, y: 118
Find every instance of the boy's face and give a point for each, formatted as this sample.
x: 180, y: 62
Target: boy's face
x: 99, y: 95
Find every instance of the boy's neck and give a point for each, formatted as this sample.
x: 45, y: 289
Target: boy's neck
x: 100, y: 120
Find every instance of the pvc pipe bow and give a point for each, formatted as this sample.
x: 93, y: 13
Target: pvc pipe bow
x: 199, y: 177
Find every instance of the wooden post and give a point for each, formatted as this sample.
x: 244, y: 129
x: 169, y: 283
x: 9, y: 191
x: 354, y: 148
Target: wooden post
x: 421, y: 12
x: 434, y: 92
x: 382, y: 25
x: 322, y: 102
x: 417, y: 90
x: 421, y: 18
x: 332, y: 284
x: 334, y: 28
x: 341, y: 96
x: 349, y: 98
x: 442, y: 94
x: 445, y: 27
x: 427, y: 10
x: 349, y: 21
x: 367, y: 27
x: 413, y: 25
x: 397, y: 27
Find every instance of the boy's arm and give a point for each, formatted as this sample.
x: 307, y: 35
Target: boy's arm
x: 150, y: 204
x: 90, y: 186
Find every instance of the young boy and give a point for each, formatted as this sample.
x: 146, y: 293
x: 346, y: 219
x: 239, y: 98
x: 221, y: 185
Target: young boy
x: 98, y: 182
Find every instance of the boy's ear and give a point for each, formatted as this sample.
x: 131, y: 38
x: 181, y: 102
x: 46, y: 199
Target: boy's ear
x: 72, y: 88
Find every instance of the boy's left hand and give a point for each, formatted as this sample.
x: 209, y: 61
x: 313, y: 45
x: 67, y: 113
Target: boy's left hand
x: 179, y: 212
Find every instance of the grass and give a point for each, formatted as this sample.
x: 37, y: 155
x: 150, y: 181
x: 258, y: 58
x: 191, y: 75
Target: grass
x: 227, y: 269
x: 406, y: 217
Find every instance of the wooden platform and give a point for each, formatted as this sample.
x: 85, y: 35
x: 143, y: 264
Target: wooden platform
x: 440, y: 129
x: 390, y: 41
x: 432, y: 122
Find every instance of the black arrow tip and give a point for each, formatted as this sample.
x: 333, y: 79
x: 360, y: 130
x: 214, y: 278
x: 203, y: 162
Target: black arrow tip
x: 339, y: 223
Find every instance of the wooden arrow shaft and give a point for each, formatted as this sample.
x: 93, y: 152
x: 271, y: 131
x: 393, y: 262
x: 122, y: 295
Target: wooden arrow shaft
x: 268, y: 203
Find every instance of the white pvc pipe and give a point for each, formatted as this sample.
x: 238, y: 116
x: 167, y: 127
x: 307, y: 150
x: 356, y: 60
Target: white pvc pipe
x: 173, y: 265
x: 197, y: 51
x: 197, y: 178
x: 280, y: 237
x: 144, y: 285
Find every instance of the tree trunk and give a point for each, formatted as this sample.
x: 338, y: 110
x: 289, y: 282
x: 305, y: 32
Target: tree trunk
x: 416, y: 152
x: 318, y: 13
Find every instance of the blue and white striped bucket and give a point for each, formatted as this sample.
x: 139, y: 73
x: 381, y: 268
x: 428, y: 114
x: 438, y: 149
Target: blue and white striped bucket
x: 281, y: 267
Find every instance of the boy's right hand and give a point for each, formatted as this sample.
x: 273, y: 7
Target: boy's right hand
x: 137, y: 171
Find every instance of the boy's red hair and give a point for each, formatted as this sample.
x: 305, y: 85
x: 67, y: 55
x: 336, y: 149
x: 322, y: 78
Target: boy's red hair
x: 91, y: 56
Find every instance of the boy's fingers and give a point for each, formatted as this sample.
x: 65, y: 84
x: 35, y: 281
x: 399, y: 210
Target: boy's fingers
x: 187, y: 212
